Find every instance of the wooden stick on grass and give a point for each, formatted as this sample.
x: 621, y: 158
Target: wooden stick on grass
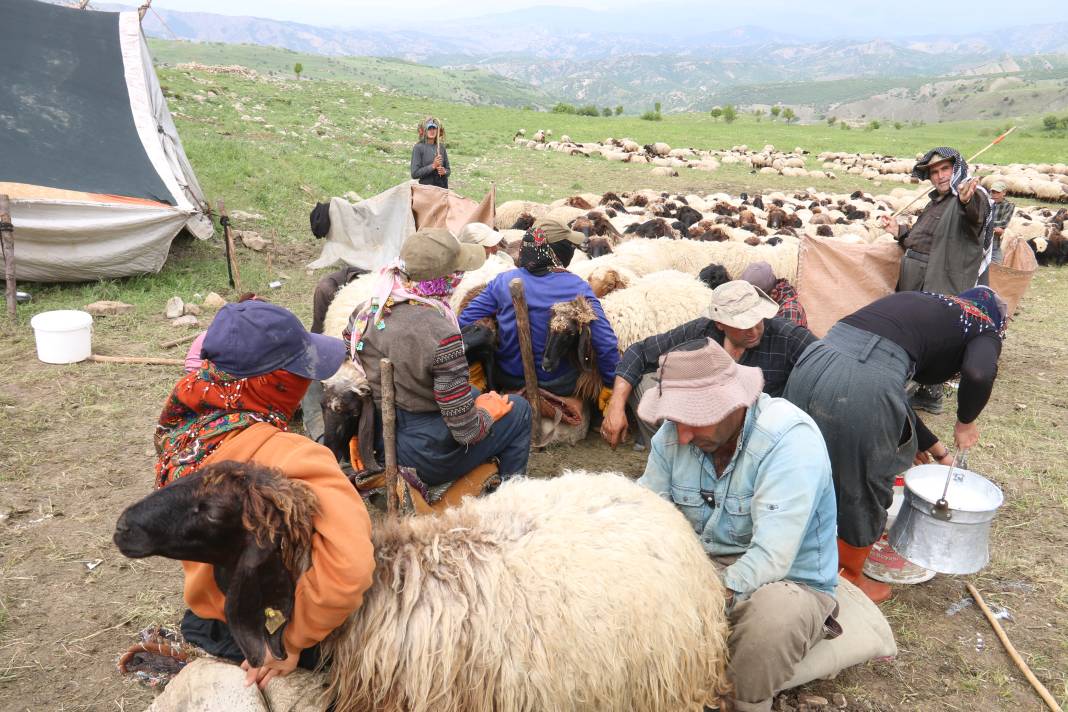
x: 526, y: 352
x: 144, y: 360
x: 7, y: 243
x: 177, y: 342
x: 1011, y: 650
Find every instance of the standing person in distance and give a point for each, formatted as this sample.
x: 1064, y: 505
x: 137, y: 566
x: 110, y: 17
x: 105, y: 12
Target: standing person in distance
x: 430, y: 160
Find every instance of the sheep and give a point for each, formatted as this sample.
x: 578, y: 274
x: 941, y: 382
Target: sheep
x: 475, y: 609
x: 713, y: 275
x: 508, y: 212
x: 653, y: 304
x: 651, y: 228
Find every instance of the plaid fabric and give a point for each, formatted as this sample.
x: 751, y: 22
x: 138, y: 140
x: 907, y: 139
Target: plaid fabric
x: 790, y: 307
x: 775, y: 356
x: 1002, y: 213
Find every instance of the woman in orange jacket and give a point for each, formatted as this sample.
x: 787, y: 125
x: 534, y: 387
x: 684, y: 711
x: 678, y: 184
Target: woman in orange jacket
x: 258, y: 361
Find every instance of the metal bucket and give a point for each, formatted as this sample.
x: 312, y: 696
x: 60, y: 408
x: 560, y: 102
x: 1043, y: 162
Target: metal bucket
x: 959, y: 544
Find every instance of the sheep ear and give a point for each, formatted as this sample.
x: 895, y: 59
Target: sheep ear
x: 259, y: 603
x: 585, y: 347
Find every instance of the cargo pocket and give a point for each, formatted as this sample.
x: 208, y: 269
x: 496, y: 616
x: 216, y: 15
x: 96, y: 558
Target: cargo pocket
x: 692, y: 505
x: 739, y: 517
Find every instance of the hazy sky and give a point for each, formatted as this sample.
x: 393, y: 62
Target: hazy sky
x: 872, y: 18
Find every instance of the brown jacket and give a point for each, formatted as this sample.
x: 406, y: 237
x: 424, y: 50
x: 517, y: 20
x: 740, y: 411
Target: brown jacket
x: 342, y: 559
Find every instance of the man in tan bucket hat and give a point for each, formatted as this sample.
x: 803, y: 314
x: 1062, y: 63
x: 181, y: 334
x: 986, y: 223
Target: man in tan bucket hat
x: 740, y: 318
x: 752, y: 476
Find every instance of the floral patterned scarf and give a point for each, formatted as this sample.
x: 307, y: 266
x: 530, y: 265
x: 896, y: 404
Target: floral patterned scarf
x: 207, y: 405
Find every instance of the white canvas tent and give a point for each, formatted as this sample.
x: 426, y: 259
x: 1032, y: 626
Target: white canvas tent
x: 89, y: 154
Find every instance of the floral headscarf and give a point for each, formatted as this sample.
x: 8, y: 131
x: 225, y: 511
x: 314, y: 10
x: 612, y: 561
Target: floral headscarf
x: 394, y: 286
x: 208, y: 404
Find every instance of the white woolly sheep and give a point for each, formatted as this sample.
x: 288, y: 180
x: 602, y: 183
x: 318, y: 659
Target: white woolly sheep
x: 653, y: 304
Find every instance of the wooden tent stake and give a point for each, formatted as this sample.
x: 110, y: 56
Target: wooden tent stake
x: 389, y: 436
x: 177, y: 342
x: 231, y: 256
x: 526, y: 352
x: 7, y: 243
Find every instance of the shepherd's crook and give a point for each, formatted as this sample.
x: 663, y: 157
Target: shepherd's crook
x: 993, y: 143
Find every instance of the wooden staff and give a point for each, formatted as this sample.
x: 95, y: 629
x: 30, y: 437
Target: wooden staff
x: 231, y: 256
x: 993, y: 143
x: 526, y: 352
x: 7, y: 245
x: 389, y: 436
x: 145, y: 360
x: 1011, y: 650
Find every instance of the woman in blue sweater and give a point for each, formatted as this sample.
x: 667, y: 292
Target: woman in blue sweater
x: 547, y: 249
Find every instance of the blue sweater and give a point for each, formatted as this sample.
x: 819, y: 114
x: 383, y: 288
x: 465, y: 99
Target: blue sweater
x: 541, y: 293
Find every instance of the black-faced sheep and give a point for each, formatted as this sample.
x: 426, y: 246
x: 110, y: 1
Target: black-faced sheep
x: 688, y: 216
x: 474, y: 609
x: 523, y: 222
x: 654, y: 228
x: 714, y: 275
x: 569, y: 338
x: 610, y: 197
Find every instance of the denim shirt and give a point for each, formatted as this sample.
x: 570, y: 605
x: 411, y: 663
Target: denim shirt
x: 774, y: 502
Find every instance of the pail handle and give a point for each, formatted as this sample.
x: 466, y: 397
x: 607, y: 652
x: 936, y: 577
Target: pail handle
x: 941, y: 507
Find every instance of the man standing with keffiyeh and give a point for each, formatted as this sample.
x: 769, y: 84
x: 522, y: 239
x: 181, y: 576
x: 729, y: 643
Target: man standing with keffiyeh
x: 948, y: 246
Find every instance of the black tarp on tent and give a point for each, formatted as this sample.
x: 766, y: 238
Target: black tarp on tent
x: 88, y: 151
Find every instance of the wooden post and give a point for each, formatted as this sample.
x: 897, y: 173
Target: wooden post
x: 144, y: 360
x: 7, y: 244
x: 231, y: 257
x: 389, y: 436
x: 526, y: 352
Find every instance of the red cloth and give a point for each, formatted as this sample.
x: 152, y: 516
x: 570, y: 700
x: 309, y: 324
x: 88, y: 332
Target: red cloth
x: 208, y: 404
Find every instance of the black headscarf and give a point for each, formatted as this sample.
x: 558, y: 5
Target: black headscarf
x: 536, y: 255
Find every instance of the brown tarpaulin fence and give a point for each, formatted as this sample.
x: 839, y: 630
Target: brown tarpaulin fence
x: 1012, y: 278
x: 835, y: 279
x: 439, y: 207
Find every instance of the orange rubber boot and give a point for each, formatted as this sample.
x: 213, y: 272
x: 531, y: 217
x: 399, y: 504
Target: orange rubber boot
x: 851, y: 567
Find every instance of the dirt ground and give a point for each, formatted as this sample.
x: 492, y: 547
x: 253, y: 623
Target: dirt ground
x: 75, y: 449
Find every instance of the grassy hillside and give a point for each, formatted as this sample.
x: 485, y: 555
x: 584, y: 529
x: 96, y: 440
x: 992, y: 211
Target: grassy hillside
x: 306, y: 140
x: 471, y: 86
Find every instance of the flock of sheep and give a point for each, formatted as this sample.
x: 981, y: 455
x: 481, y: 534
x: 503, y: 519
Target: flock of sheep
x: 1037, y: 181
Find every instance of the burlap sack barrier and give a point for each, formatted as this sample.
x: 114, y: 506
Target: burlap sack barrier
x: 835, y: 279
x: 438, y: 207
x: 1013, y: 276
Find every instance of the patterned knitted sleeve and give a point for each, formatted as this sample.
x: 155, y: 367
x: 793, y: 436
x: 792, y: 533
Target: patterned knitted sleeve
x: 452, y: 391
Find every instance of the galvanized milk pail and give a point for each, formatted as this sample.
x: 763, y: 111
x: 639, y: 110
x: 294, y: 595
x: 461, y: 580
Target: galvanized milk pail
x: 950, y: 541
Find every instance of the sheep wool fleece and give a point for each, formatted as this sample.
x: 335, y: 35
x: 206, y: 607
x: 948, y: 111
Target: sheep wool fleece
x: 342, y: 559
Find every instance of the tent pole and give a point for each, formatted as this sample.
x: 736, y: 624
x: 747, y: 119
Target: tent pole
x: 228, y: 240
x: 7, y: 241
x: 143, y: 10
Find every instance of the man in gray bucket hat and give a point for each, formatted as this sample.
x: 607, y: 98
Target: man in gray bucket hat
x: 751, y: 475
x: 740, y: 318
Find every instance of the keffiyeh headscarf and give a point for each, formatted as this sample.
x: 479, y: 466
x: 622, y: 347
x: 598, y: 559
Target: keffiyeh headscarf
x: 536, y: 255
x: 981, y: 311
x: 208, y: 404
x: 960, y: 174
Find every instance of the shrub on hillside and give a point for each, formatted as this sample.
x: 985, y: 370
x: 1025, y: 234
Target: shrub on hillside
x: 588, y: 110
x: 563, y: 108
x: 651, y: 116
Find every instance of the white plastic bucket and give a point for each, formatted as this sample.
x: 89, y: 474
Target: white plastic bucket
x: 63, y: 336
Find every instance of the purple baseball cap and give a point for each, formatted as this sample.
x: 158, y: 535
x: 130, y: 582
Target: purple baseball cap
x: 253, y: 338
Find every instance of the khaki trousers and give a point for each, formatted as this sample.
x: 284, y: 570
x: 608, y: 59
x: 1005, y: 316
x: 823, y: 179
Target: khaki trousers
x: 771, y: 631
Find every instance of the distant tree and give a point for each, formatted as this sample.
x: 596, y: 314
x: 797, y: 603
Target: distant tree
x: 897, y: 125
x: 716, y: 113
x: 831, y: 120
x: 297, y: 69
x: 563, y: 108
x: 651, y: 116
x: 729, y: 114
x: 619, y: 110
x: 775, y: 111
x: 789, y: 114
x: 588, y: 110
x: 874, y: 125
x: 606, y: 111
x: 1049, y: 122
x: 656, y: 107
